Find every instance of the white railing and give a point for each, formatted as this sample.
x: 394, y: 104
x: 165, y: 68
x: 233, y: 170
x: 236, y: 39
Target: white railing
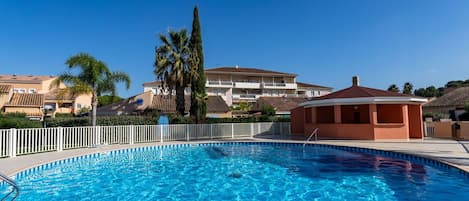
x: 15, y: 142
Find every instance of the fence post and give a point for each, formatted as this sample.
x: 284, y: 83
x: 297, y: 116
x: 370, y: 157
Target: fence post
x: 211, y: 131
x: 161, y: 133
x: 60, y: 139
x: 232, y: 130
x: 187, y: 132
x: 97, y: 130
x: 258, y: 127
x: 131, y: 134
x: 281, y: 128
x: 252, y: 130
x: 12, y: 142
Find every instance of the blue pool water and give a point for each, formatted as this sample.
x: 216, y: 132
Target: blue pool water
x: 242, y: 172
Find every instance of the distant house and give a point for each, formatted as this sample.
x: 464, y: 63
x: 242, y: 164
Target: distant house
x: 11, y: 86
x: 30, y: 104
x: 165, y: 104
x: 453, y: 100
x: 282, y: 105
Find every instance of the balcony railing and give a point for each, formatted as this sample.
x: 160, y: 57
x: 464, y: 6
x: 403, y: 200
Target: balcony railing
x: 274, y: 85
x: 228, y: 84
x: 246, y: 96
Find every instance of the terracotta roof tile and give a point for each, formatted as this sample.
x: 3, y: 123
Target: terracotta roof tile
x: 306, y: 85
x: 281, y: 104
x: 5, y: 89
x: 242, y: 70
x: 455, y: 98
x: 360, y: 92
x: 167, y: 104
x: 26, y: 100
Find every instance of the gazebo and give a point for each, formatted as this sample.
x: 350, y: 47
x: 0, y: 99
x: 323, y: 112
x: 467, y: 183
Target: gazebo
x: 360, y: 113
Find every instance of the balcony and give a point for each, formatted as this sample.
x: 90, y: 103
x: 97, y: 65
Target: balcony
x: 248, y: 97
x: 247, y: 85
x: 267, y: 85
x: 219, y: 84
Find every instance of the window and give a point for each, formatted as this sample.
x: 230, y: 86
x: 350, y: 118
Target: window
x: 139, y: 101
x: 21, y: 90
x: 32, y: 91
x: 79, y: 106
x: 15, y: 90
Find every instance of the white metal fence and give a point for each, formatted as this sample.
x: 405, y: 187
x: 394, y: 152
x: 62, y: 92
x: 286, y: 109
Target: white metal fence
x: 15, y: 142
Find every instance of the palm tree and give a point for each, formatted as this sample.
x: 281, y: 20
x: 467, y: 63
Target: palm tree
x: 407, y: 89
x: 93, y: 77
x: 393, y: 88
x: 200, y: 99
x: 174, y: 64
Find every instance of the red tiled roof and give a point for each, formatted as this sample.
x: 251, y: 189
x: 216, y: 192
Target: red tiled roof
x: 360, y: 92
x: 242, y: 70
x: 456, y: 98
x: 167, y: 104
x: 281, y: 104
x: 5, y: 89
x: 306, y: 85
x: 26, y: 100
x: 216, y: 104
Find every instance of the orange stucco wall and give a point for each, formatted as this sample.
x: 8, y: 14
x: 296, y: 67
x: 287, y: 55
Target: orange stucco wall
x: 415, y: 121
x: 342, y: 131
x: 297, y: 120
x: 464, y: 132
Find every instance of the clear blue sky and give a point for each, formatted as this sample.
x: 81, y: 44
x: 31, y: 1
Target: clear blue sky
x: 325, y: 42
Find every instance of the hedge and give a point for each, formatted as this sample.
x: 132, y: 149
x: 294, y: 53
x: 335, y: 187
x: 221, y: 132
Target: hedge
x: 102, y: 121
x: 17, y: 120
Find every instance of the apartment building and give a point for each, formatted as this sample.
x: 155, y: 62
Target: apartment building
x: 239, y: 84
x: 31, y: 93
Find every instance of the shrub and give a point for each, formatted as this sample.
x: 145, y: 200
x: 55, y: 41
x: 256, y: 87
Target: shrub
x: 18, y: 122
x: 102, y: 121
x: 268, y: 110
x: 61, y: 115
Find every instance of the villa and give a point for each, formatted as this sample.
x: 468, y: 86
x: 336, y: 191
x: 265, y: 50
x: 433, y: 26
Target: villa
x: 31, y: 93
x: 360, y: 113
x: 165, y: 104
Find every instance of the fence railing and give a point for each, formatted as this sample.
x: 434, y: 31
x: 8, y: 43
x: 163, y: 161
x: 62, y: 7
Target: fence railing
x: 15, y: 142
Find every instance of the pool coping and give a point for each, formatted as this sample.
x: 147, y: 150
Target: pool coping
x: 26, y: 163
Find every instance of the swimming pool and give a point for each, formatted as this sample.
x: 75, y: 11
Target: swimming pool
x: 243, y: 171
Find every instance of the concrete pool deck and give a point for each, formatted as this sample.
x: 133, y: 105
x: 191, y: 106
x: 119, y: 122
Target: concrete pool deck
x: 452, y: 152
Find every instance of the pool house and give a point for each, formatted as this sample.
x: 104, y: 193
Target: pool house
x: 360, y: 113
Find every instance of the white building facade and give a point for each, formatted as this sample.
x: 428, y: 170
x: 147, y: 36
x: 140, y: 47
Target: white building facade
x: 237, y: 84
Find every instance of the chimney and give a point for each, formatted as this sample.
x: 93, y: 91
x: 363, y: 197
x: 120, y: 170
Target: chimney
x: 355, y: 81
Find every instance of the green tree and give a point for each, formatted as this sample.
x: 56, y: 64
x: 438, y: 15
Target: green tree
x: 393, y: 88
x: 107, y: 100
x: 431, y: 91
x: 420, y: 92
x: 173, y: 64
x: 407, y: 88
x: 268, y: 110
x: 92, y: 76
x: 198, y: 109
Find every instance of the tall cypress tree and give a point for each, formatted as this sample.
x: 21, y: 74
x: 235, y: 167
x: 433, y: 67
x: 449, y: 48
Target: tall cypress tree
x: 198, y: 108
